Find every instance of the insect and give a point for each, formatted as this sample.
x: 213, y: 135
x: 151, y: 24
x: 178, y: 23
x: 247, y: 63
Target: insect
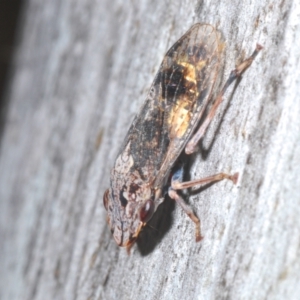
x: 167, y: 125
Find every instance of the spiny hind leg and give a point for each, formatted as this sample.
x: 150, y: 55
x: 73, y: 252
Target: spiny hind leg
x: 177, y: 184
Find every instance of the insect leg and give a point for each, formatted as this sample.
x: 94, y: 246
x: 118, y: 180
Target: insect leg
x: 177, y: 184
x: 236, y: 73
x: 173, y: 195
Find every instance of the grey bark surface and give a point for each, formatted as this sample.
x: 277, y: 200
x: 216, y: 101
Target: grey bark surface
x: 81, y: 73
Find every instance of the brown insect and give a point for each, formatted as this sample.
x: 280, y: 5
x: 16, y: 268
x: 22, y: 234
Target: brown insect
x: 166, y: 125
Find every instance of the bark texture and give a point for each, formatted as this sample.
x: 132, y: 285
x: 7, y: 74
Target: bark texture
x: 81, y: 72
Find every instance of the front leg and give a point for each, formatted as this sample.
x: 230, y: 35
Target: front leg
x: 177, y: 184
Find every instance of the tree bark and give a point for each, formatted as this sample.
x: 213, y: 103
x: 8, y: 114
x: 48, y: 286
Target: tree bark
x: 81, y: 72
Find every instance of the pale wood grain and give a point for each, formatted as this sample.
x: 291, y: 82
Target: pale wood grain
x: 81, y: 72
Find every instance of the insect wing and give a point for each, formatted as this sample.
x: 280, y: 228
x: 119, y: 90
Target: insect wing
x: 185, y: 82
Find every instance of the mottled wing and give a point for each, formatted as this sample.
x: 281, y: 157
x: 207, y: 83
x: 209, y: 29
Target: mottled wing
x: 176, y: 100
x: 187, y: 76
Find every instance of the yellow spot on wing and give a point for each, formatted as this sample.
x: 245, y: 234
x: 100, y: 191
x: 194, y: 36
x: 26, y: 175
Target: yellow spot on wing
x: 189, y: 72
x: 180, y: 116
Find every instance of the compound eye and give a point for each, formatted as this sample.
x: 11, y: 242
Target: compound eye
x: 147, y: 211
x: 106, y: 199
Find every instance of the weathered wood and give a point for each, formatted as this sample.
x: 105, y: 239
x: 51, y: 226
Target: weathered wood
x: 81, y: 72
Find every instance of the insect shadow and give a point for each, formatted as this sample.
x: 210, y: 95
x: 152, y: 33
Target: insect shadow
x: 161, y: 222
x: 157, y: 227
x: 204, y: 151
